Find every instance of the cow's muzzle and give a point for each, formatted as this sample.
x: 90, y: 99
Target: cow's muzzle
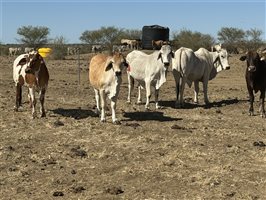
x: 118, y: 73
x: 227, y: 67
x: 251, y: 68
x: 28, y: 70
x: 166, y: 64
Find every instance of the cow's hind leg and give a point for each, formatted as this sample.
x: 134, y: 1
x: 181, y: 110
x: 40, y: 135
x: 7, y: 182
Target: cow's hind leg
x: 97, y: 98
x: 205, y: 91
x: 177, y: 80
x: 103, y: 105
x: 42, y: 96
x: 262, y: 107
x: 196, y: 92
x: 18, y: 96
x: 130, y: 87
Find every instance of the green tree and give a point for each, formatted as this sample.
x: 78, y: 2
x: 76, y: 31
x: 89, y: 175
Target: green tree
x: 253, y: 39
x: 193, y: 40
x: 131, y: 34
x: 33, y: 36
x: 232, y: 38
x: 105, y: 35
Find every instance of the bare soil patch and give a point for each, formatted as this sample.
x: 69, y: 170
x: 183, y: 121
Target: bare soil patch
x: 216, y: 152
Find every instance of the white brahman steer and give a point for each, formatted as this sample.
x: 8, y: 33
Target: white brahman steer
x: 28, y: 49
x: 13, y: 50
x: 149, y: 70
x: 105, y: 75
x: 199, y: 66
x: 30, y: 70
x: 216, y: 47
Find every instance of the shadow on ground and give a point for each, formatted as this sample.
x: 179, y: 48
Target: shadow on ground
x: 75, y: 113
x: 145, y: 116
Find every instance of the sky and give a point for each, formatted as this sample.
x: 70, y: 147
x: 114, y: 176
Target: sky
x: 70, y: 18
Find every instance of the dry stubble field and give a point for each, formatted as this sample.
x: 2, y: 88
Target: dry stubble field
x: 191, y: 153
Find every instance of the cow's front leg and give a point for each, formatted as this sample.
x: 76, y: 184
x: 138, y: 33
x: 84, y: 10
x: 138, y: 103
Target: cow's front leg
x: 42, y: 96
x: 148, y: 94
x: 139, y: 95
x: 262, y: 108
x: 251, y: 99
x: 113, y: 107
x: 103, y: 105
x: 32, y: 96
x: 196, y: 92
x: 156, y: 99
x: 18, y: 96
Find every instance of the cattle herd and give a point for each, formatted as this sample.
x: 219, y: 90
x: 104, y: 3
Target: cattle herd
x: 149, y: 70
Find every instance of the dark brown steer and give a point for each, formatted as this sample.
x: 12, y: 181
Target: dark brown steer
x: 30, y: 70
x: 255, y: 79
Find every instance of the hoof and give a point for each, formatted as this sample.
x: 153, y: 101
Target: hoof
x: 103, y: 120
x: 117, y: 122
x: 139, y: 102
x: 147, y: 109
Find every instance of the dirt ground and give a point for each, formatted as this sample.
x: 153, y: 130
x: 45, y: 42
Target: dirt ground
x: 191, y: 153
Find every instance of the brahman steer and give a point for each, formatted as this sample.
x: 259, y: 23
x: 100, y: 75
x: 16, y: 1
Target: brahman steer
x: 201, y: 65
x: 30, y: 70
x: 157, y: 44
x: 255, y: 79
x: 216, y: 47
x: 13, y: 50
x: 105, y: 75
x: 148, y: 70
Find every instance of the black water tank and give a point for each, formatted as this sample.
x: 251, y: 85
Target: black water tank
x: 154, y: 32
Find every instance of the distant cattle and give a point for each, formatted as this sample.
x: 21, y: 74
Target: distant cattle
x: 14, y: 50
x: 157, y: 44
x: 199, y: 66
x: 255, y: 79
x: 72, y: 50
x: 97, y: 48
x: 119, y: 48
x: 149, y: 70
x: 30, y: 70
x: 131, y: 44
x: 28, y: 49
x: 216, y: 47
x: 105, y: 75
x: 262, y: 53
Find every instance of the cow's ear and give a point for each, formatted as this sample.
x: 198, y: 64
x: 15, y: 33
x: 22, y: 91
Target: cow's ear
x: 108, y: 65
x: 242, y: 58
x: 172, y: 54
x: 159, y: 56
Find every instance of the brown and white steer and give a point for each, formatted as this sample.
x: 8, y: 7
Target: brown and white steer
x: 30, y: 70
x: 105, y: 75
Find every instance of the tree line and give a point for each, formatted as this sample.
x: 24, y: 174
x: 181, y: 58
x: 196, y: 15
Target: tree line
x: 232, y: 38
